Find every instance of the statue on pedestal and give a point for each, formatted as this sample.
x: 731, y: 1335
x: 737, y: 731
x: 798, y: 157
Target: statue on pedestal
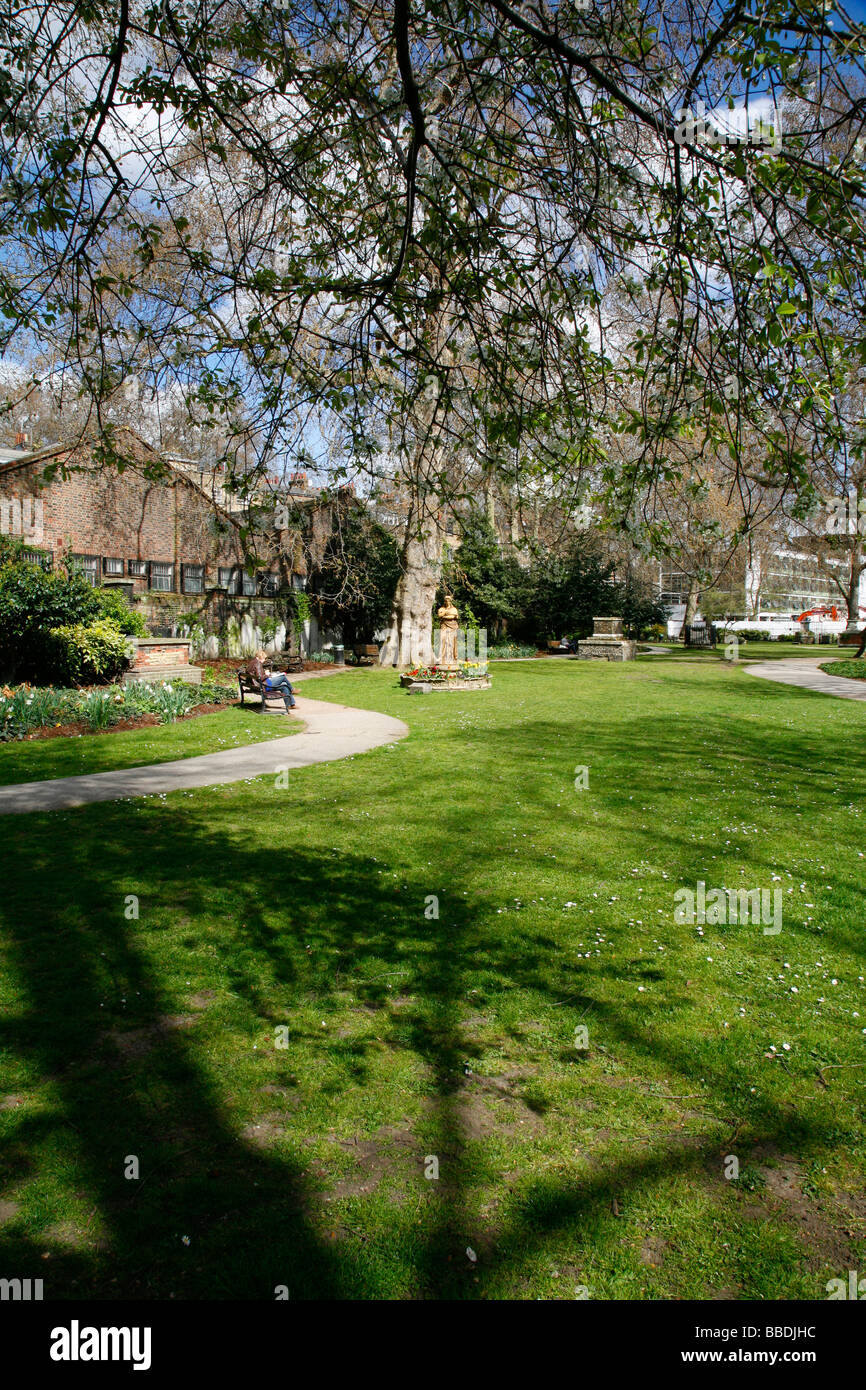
x: 448, y: 621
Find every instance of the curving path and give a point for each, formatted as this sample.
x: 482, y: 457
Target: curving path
x: 332, y: 732
x: 804, y: 672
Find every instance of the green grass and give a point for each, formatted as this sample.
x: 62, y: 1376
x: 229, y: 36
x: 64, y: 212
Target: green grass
x: 412, y: 1037
x: 855, y: 670
x: 42, y: 759
x: 748, y: 651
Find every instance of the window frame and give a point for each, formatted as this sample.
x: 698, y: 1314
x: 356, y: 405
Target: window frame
x: 184, y: 573
x: 159, y: 588
x: 88, y: 565
x: 229, y: 578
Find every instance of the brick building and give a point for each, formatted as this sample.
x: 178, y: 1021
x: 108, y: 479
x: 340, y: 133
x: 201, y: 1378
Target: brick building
x: 161, y: 533
x: 166, y: 530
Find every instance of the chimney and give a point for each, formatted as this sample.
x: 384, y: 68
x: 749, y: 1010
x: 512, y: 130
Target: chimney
x: 298, y: 480
x: 21, y: 440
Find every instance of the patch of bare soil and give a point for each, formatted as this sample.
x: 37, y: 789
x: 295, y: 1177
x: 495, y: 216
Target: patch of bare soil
x: 652, y: 1251
x: 137, y: 1042
x: 389, y: 1150
x: 264, y: 1132
x: 73, y: 1237
x: 492, y: 1105
x: 828, y: 1241
x: 203, y: 999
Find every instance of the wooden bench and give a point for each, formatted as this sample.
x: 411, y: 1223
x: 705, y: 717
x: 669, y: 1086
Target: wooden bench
x: 853, y: 639
x: 367, y: 651
x: 248, y: 685
x: 289, y: 663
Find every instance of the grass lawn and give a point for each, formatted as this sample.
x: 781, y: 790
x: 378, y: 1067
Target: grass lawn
x: 414, y: 1040
x: 855, y: 670
x: 748, y: 651
x: 43, y: 759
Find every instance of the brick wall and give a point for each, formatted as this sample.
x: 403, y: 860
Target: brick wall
x: 126, y: 516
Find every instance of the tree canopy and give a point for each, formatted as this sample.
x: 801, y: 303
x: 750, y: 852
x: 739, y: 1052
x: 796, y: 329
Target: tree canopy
x: 531, y: 216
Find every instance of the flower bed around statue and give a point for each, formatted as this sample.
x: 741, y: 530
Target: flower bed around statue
x: 465, y: 670
x: 468, y: 675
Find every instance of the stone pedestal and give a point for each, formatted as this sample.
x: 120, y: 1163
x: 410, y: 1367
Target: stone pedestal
x: 162, y: 659
x: 607, y: 642
x: 418, y: 686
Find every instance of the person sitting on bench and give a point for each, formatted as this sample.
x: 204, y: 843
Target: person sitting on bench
x: 277, y: 681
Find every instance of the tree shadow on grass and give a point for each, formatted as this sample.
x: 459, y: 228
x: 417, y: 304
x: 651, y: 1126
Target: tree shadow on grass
x: 118, y: 1073
x: 123, y: 1074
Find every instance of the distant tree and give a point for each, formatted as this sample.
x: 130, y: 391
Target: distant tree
x: 634, y: 601
x: 568, y: 591
x: 483, y: 579
x: 354, y: 585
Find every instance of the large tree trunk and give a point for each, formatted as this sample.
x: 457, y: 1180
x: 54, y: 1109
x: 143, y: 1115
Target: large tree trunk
x: 692, y: 601
x: 410, y: 632
x: 851, y: 593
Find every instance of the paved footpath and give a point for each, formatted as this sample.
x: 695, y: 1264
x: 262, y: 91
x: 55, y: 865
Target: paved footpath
x: 804, y: 672
x: 332, y: 732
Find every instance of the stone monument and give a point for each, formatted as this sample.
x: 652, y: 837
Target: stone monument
x: 448, y: 620
x: 607, y: 642
x: 449, y: 672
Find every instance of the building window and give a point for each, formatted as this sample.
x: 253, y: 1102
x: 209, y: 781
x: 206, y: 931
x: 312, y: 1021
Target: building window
x: 43, y: 558
x: 235, y: 580
x: 113, y: 567
x: 162, y: 576
x: 269, y: 584
x: 192, y: 579
x: 136, y: 569
x: 88, y: 566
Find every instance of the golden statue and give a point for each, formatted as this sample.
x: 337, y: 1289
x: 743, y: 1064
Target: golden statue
x: 448, y: 619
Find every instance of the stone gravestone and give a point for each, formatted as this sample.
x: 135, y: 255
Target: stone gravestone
x: 607, y: 642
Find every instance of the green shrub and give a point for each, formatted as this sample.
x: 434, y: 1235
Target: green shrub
x: 32, y: 602
x: 854, y: 669
x: 89, y: 653
x: 210, y: 692
x: 504, y: 651
x: 114, y: 607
